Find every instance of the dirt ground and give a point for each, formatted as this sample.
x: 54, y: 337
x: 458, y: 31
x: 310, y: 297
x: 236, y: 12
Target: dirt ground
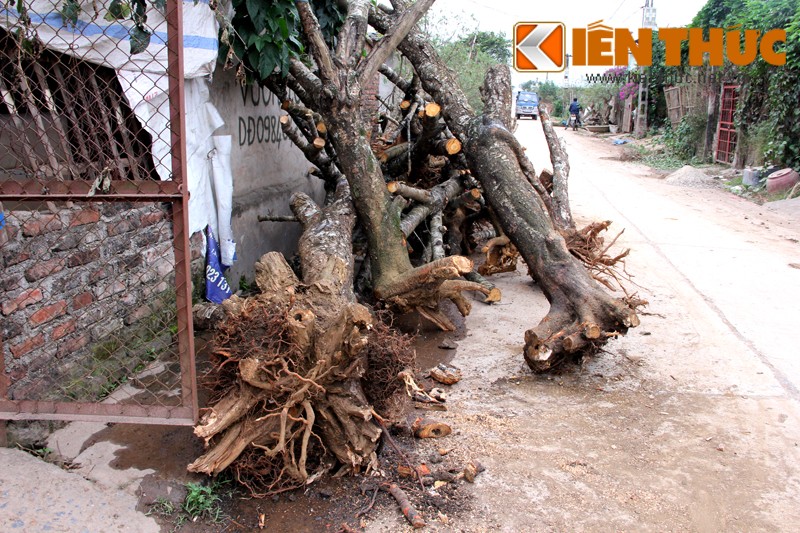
x: 689, y: 423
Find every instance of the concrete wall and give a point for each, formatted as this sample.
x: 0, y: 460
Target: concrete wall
x: 267, y: 169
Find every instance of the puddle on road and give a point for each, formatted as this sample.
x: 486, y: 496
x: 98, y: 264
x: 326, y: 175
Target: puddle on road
x: 324, y: 506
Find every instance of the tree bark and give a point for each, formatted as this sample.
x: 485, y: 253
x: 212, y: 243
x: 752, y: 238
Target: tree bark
x: 578, y: 305
x: 338, y: 94
x: 310, y: 383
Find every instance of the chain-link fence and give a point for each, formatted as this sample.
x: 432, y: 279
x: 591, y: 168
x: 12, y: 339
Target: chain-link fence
x: 95, y: 293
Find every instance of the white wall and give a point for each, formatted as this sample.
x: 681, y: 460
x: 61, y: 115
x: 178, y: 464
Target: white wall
x: 267, y: 169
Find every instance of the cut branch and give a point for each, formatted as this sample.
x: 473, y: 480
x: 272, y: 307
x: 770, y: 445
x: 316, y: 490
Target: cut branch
x: 319, y: 50
x: 388, y: 44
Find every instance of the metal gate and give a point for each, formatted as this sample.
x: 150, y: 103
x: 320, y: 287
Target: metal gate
x: 95, y: 289
x: 726, y: 129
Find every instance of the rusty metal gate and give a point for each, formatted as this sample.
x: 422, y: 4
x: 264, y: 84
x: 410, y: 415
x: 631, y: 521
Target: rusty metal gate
x: 726, y: 129
x: 95, y: 290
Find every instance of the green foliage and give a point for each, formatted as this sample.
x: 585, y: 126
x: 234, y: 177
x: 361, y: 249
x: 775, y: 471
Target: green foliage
x: 662, y: 160
x: 70, y: 11
x: 203, y: 501
x: 244, y: 285
x: 118, y: 10
x: 718, y: 13
x: 597, y: 94
x: 495, y: 45
x: 772, y: 93
x: 682, y: 143
x: 162, y: 507
x: 470, y: 66
x: 467, y: 51
x: 264, y: 36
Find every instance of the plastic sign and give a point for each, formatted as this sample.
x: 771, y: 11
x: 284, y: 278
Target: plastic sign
x: 600, y: 45
x: 539, y: 46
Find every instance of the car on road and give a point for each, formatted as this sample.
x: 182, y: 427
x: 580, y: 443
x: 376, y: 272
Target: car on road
x: 527, y: 105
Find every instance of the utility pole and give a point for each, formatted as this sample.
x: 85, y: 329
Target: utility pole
x: 648, y: 21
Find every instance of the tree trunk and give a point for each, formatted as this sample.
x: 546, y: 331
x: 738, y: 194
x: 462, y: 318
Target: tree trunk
x: 298, y: 351
x: 581, y: 314
x: 337, y: 91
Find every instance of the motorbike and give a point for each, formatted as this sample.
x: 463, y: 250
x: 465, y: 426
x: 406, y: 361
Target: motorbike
x: 573, y: 122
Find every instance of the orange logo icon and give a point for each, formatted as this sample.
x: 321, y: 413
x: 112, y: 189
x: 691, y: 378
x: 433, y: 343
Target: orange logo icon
x: 539, y: 46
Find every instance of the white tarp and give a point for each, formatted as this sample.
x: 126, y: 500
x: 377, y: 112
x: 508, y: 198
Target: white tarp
x: 95, y: 39
x: 145, y: 84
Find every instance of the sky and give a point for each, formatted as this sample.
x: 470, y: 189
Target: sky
x: 501, y: 15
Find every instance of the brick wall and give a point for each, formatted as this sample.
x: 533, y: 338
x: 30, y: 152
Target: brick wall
x: 76, y: 282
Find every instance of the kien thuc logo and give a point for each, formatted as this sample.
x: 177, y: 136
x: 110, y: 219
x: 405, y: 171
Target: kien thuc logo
x: 539, y: 46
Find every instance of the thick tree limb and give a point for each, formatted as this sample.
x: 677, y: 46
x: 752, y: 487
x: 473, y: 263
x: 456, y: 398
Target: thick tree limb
x: 440, y: 196
x: 352, y: 36
x: 387, y: 45
x: 562, y: 214
x: 305, y: 78
x: 319, y: 50
x: 576, y: 298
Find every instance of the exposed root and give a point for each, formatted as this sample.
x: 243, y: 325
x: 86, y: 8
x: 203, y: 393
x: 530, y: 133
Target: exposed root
x: 287, y: 400
x: 561, y: 335
x: 388, y: 354
x: 590, y: 247
x: 501, y: 256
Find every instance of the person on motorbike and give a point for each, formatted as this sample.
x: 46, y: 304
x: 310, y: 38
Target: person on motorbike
x: 575, y: 109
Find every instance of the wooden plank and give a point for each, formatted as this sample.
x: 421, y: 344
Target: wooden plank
x: 106, y: 122
x: 56, y: 117
x: 77, y: 132
x: 41, y: 129
x: 8, y: 99
x: 124, y: 133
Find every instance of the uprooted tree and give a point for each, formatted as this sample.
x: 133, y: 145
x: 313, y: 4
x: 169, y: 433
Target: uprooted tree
x: 292, y: 360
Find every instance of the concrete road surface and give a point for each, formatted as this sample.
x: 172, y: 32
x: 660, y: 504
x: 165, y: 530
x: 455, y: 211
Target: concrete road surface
x: 690, y: 422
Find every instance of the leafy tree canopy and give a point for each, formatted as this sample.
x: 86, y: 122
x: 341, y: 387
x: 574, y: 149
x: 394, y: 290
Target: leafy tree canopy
x: 495, y: 45
x: 264, y: 35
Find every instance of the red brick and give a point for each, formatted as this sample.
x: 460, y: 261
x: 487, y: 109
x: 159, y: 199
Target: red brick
x: 151, y: 218
x: 138, y: 314
x: 44, y: 269
x: 123, y: 226
x: 85, y: 216
x: 16, y: 375
x: 83, y: 257
x: 115, y: 287
x: 16, y: 258
x: 74, y: 344
x: 98, y: 275
x: 48, y: 313
x: 82, y: 300
x: 20, y: 349
x: 63, y: 329
x: 9, y: 283
x: 41, y: 224
x: 22, y: 301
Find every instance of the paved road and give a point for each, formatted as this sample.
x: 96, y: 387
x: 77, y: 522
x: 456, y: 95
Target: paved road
x: 733, y: 254
x: 736, y: 256
x: 691, y: 422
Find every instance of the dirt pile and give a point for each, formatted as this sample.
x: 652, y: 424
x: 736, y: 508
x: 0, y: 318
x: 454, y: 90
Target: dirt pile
x: 688, y: 176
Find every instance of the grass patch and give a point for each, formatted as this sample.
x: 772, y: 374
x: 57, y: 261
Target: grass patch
x: 203, y: 503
